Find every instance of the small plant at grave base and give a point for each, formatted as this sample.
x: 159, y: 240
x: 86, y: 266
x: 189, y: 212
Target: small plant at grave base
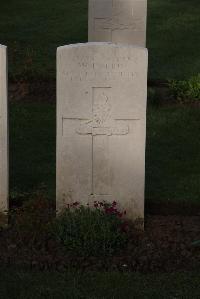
x: 186, y: 90
x: 97, y: 230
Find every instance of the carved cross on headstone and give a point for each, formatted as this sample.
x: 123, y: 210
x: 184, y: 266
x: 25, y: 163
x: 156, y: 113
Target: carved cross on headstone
x: 101, y: 127
x: 118, y: 21
x: 114, y: 23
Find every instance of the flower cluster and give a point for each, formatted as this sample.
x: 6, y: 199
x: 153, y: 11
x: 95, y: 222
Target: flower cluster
x: 108, y: 208
x: 95, y: 229
x: 73, y: 205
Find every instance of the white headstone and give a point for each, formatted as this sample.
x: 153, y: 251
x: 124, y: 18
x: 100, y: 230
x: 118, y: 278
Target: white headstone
x: 118, y: 21
x: 101, y: 125
x: 3, y: 131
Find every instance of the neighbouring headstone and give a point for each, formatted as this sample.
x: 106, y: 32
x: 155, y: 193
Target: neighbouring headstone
x: 101, y: 125
x: 3, y: 132
x: 118, y: 21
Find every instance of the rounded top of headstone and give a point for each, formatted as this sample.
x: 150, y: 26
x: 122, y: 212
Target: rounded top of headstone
x: 101, y: 44
x: 2, y: 46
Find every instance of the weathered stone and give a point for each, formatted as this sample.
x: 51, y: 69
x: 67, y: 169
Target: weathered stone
x: 3, y: 132
x: 101, y: 125
x: 118, y: 21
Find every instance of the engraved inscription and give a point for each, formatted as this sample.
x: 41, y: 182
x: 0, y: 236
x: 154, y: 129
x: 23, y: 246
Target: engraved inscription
x: 89, y: 71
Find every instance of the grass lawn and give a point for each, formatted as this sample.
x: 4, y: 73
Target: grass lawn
x: 28, y: 285
x: 173, y: 38
x: 172, y: 156
x: 32, y: 148
x: 34, y: 29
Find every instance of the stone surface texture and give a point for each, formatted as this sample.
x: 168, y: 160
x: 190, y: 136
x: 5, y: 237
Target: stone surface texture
x: 118, y: 21
x: 101, y: 125
x: 3, y: 131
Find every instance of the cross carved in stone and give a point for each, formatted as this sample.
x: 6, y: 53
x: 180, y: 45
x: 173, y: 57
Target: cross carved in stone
x: 101, y: 125
x: 122, y: 19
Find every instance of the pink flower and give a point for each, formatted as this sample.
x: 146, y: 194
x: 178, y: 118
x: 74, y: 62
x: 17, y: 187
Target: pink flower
x: 110, y: 210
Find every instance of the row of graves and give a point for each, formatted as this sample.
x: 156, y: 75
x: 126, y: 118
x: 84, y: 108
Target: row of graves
x: 101, y: 111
